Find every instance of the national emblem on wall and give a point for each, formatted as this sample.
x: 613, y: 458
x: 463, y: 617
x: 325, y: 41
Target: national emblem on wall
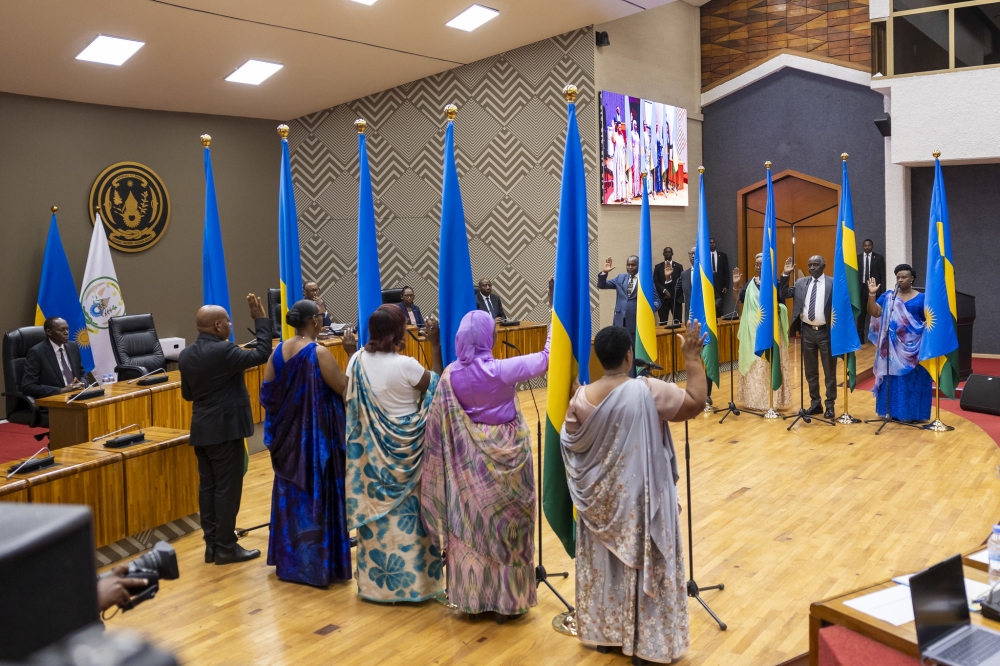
x: 134, y: 205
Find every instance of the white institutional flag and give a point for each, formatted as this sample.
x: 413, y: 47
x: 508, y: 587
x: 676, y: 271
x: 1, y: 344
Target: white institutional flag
x: 101, y: 299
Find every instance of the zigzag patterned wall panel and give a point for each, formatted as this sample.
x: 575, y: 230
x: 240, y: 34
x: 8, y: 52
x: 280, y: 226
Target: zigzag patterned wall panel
x: 509, y: 140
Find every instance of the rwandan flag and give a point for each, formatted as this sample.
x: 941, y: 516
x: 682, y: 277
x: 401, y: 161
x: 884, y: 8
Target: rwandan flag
x: 369, y: 279
x: 289, y: 259
x: 845, y: 301
x: 939, y: 344
x: 214, y: 283
x: 703, y: 291
x: 645, y: 313
x: 456, y: 297
x: 57, y: 295
x: 768, y: 337
x: 569, y: 351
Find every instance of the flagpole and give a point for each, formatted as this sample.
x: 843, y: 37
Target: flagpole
x: 770, y: 413
x: 937, y: 425
x: 846, y: 417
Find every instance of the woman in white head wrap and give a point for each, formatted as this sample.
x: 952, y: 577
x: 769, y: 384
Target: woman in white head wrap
x: 754, y: 381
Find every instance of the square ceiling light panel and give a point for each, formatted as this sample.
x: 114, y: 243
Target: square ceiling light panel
x: 254, y: 72
x: 110, y: 50
x: 472, y: 18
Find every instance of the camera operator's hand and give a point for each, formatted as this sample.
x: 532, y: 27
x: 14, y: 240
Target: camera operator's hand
x: 113, y: 590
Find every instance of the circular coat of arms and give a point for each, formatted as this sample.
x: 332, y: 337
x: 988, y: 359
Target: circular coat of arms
x: 134, y: 205
x: 101, y: 300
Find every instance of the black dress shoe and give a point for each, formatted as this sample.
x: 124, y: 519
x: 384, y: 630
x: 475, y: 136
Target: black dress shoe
x: 815, y: 409
x: 235, y: 554
x: 828, y: 414
x: 209, y: 553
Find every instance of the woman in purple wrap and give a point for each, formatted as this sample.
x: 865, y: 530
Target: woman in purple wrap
x: 478, y: 489
x: 304, y: 431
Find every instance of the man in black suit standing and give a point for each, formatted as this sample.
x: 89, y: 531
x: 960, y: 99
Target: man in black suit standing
x: 212, y: 378
x: 811, y: 316
x: 871, y: 264
x: 489, y: 302
x: 665, y: 282
x: 52, y: 366
x: 720, y: 275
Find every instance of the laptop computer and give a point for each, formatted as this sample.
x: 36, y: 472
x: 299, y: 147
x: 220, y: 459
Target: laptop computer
x: 941, y: 614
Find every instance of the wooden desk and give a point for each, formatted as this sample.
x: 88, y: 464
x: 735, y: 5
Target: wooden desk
x: 13, y: 490
x: 83, y: 476
x: 902, y: 638
x: 169, y: 409
x: 161, y: 478
x: 80, y: 421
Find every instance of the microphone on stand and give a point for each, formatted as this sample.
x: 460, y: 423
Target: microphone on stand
x: 154, y: 372
x: 647, y: 366
x: 85, y: 389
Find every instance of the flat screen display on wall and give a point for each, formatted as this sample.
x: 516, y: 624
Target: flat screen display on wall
x: 639, y: 136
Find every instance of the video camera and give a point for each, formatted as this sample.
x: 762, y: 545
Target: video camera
x: 158, y: 564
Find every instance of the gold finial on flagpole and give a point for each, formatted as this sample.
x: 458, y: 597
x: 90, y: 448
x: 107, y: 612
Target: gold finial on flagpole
x: 844, y: 156
x: 701, y: 169
x: 937, y: 154
x: 283, y: 131
x: 451, y: 111
x: 206, y: 140
x: 55, y: 209
x: 569, y: 92
x: 767, y: 164
x: 360, y: 125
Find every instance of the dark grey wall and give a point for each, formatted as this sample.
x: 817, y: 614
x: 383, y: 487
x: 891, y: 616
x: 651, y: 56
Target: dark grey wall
x: 974, y: 212
x: 798, y: 121
x: 51, y: 152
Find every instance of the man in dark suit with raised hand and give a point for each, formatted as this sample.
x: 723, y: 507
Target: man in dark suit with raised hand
x: 212, y: 378
x: 871, y: 264
x: 665, y: 280
x: 489, y: 302
x: 811, y: 315
x: 52, y: 366
x: 626, y: 286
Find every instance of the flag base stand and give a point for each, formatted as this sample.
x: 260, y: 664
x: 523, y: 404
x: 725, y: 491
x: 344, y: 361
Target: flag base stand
x: 732, y: 408
x: 846, y: 419
x: 565, y: 623
x: 771, y: 414
x: 938, y: 426
x: 708, y: 408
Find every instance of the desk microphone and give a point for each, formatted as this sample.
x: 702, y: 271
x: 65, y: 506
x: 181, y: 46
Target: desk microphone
x: 85, y: 390
x: 154, y: 372
x: 38, y: 464
x: 648, y: 365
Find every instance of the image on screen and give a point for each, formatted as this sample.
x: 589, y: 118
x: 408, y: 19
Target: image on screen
x: 639, y: 136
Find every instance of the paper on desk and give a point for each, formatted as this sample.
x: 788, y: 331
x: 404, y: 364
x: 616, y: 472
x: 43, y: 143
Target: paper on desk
x: 982, y: 556
x: 890, y: 605
x: 973, y: 588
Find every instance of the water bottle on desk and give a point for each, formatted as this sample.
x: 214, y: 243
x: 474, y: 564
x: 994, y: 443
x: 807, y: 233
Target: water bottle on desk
x: 994, y: 550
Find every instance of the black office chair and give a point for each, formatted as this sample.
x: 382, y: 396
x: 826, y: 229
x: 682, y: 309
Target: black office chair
x: 21, y: 408
x: 392, y: 296
x: 136, y: 346
x: 274, y: 311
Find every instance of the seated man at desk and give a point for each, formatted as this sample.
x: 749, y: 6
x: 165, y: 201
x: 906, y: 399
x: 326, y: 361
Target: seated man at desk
x: 53, y: 366
x: 412, y: 312
x: 310, y: 292
x: 489, y: 302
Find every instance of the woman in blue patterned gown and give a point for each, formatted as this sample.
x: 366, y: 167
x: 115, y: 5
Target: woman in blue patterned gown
x: 304, y: 431
x: 897, y: 325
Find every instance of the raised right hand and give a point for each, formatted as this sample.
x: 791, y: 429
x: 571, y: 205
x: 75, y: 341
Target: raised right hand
x: 256, y: 308
x: 873, y: 287
x: 737, y: 276
x: 789, y: 265
x: 432, y: 330
x: 691, y: 338
x: 608, y: 265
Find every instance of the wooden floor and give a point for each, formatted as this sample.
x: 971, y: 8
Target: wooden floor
x: 781, y: 518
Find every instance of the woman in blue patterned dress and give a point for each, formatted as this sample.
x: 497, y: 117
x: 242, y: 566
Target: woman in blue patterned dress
x: 388, y: 398
x: 897, y: 325
x: 304, y: 431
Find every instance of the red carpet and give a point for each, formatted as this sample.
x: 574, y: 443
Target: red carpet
x: 989, y: 423
x: 18, y: 441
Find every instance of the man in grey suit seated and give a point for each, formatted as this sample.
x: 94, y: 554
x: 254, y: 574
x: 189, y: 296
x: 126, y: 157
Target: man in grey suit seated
x: 811, y: 317
x: 626, y: 286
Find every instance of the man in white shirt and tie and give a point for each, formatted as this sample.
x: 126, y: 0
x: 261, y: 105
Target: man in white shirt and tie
x: 871, y: 264
x: 489, y: 302
x: 52, y: 366
x: 811, y: 317
x: 626, y: 286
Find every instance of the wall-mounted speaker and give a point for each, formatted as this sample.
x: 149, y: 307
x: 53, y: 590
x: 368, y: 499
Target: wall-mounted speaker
x: 602, y: 38
x: 884, y: 124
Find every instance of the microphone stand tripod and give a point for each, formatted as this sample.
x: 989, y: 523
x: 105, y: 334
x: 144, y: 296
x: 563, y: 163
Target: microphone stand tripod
x: 802, y: 413
x: 541, y: 575
x: 887, y: 417
x: 732, y: 409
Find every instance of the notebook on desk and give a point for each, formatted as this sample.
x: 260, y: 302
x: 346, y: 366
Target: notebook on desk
x: 941, y: 614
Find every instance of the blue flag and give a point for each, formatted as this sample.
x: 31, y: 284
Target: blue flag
x: 57, y: 295
x: 289, y: 257
x: 845, y: 301
x: 569, y: 355
x: 939, y: 344
x: 767, y: 343
x: 369, y: 278
x: 214, y: 284
x: 456, y: 297
x: 702, y: 289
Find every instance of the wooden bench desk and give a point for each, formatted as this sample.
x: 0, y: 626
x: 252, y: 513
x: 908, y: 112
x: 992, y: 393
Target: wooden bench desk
x: 81, y: 420
x: 14, y: 489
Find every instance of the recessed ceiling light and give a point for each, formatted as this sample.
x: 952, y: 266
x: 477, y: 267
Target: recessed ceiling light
x: 110, y: 50
x: 254, y: 72
x: 472, y: 18
x: 365, y: 2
